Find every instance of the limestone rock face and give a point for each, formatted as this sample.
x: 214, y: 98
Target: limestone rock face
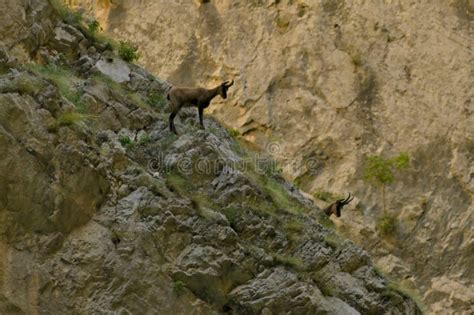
x: 103, y: 210
x: 322, y: 84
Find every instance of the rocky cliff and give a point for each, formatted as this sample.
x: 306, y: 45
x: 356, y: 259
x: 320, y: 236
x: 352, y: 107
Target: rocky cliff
x: 321, y: 84
x: 103, y: 210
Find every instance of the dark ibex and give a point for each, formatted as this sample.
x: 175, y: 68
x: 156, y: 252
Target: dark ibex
x: 194, y: 97
x: 336, y: 207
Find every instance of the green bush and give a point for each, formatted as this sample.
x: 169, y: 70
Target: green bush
x: 128, y: 52
x: 126, y: 142
x: 387, y: 224
x: 94, y: 27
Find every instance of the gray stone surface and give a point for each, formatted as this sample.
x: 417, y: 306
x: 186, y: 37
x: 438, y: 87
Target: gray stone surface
x: 115, y: 68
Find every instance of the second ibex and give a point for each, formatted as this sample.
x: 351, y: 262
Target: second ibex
x: 336, y: 207
x: 194, y: 97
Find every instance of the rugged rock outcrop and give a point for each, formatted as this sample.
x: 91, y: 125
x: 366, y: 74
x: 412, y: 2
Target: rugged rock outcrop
x: 103, y: 210
x: 328, y: 82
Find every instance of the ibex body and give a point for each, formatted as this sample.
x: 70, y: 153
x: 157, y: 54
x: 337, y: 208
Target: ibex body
x: 194, y: 97
x: 336, y: 207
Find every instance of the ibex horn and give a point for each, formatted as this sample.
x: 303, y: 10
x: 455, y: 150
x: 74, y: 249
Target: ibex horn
x: 227, y: 84
x: 348, y: 199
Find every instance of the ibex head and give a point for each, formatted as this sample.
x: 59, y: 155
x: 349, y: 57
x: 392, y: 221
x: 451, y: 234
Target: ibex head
x: 224, y: 87
x: 336, y: 207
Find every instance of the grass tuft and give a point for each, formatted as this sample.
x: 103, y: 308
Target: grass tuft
x: 288, y: 261
x: 68, y: 119
x: 326, y: 196
x: 333, y: 240
x: 64, y: 79
x: 294, y: 226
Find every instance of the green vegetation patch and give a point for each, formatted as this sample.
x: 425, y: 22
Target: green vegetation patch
x: 128, y: 52
x: 178, y: 287
x: 68, y: 119
x: 333, y: 240
x: 136, y: 99
x: 23, y: 84
x: 126, y: 142
x: 327, y: 196
x: 380, y: 171
x: 93, y: 31
x: 66, y: 13
x: 396, y: 289
x: 94, y: 27
x: 144, y: 139
x: 234, y: 133
x: 117, y: 236
x: 402, y: 290
x: 185, y: 187
x: 64, y: 79
x: 332, y: 7
x: 90, y: 27
x: 156, y: 100
x: 320, y: 278
x: 231, y: 213
x: 119, y: 92
x: 293, y: 229
x: 288, y: 261
x: 293, y: 225
x: 274, y: 190
x: 168, y: 140
x: 387, y: 224
x: 281, y: 198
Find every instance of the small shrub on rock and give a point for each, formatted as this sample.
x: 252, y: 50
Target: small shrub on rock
x: 128, y: 52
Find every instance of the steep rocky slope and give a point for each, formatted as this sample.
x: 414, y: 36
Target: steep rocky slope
x: 103, y: 210
x: 325, y: 83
